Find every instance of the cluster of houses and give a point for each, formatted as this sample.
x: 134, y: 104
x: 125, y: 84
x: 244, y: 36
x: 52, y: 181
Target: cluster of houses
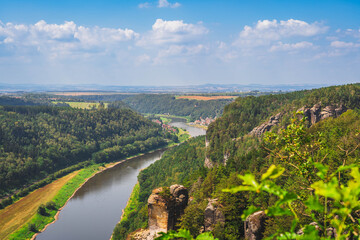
x: 204, y: 122
x: 165, y: 126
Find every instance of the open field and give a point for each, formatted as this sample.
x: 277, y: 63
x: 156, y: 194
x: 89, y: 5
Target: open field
x: 19, y: 213
x: 206, y: 98
x: 84, y: 105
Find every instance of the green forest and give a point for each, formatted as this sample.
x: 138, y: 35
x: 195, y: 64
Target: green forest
x: 166, y: 104
x: 41, y: 143
x: 297, y: 174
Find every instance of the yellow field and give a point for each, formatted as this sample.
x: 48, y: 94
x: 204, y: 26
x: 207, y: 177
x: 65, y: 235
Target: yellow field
x: 19, y: 213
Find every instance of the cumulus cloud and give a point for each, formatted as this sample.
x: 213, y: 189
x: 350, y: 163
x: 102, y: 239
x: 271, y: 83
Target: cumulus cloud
x: 291, y: 46
x: 166, y: 4
x: 265, y: 32
x: 62, y: 37
x: 180, y: 52
x: 172, y: 32
x: 341, y: 44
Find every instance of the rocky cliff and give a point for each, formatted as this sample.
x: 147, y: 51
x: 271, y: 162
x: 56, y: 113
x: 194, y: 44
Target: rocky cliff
x: 313, y: 115
x: 165, y: 206
x: 213, y: 215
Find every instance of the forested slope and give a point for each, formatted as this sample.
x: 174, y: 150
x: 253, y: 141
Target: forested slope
x: 166, y: 103
x: 38, y: 141
x: 314, y: 161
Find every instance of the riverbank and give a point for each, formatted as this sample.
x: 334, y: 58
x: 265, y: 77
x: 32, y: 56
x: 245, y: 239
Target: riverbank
x: 14, y: 216
x: 62, y: 196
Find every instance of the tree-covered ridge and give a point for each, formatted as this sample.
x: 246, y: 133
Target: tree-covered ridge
x: 166, y: 103
x: 241, y: 116
x: 37, y: 141
x: 308, y: 155
x: 320, y: 158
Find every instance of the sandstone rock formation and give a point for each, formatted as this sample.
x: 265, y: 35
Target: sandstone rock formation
x: 208, y: 163
x: 164, y: 211
x: 317, y: 113
x: 255, y: 225
x: 314, y: 115
x: 213, y: 215
x: 165, y: 206
x: 274, y: 120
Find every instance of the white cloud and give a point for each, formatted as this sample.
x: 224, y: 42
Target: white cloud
x: 180, y: 52
x: 172, y: 32
x: 144, y: 5
x: 143, y: 59
x: 341, y: 44
x: 166, y: 4
x: 265, y: 32
x: 291, y: 46
x: 64, y: 37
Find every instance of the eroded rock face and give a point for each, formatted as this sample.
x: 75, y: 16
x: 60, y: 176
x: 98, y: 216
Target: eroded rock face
x: 143, y: 234
x: 314, y: 115
x: 213, y: 215
x: 317, y: 113
x: 273, y: 121
x: 165, y: 211
x: 255, y: 225
x: 208, y: 163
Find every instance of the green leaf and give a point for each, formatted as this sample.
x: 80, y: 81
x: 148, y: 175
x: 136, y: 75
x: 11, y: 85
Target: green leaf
x: 273, y: 172
x: 329, y: 189
x: 206, y: 236
x: 277, y: 211
x: 322, y: 170
x: 287, y: 198
x: 249, y: 211
x: 239, y: 189
x: 346, y: 167
x: 183, y: 233
x: 314, y: 204
x: 249, y: 179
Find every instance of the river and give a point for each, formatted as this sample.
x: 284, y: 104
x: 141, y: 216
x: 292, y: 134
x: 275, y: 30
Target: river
x: 96, y: 207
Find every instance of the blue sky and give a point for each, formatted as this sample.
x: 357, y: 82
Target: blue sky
x: 179, y: 42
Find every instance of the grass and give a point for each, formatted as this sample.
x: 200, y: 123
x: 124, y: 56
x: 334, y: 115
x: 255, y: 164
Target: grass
x: 60, y: 197
x: 83, y: 105
x: 183, y: 135
x: 15, y: 215
x: 165, y: 120
x: 133, y: 202
x: 187, y: 118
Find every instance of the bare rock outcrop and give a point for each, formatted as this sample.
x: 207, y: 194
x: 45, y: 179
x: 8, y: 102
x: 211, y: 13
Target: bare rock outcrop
x: 255, y: 225
x: 208, y: 163
x: 273, y: 121
x: 164, y: 208
x: 317, y: 113
x: 213, y: 215
x: 313, y: 115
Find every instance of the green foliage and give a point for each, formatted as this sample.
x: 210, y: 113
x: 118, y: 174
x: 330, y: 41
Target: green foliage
x: 246, y: 113
x: 42, y: 210
x: 327, y: 192
x: 154, y: 104
x: 32, y: 228
x: 51, y: 205
x: 185, y: 234
x: 38, y: 141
